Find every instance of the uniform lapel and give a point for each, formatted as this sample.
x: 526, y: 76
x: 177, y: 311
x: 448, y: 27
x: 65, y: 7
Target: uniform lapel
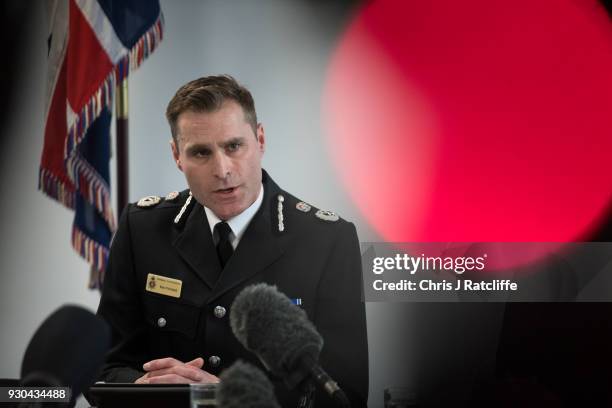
x: 196, y: 246
x: 260, y: 245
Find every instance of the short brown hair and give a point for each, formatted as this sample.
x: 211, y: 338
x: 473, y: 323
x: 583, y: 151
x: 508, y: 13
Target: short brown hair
x: 207, y: 94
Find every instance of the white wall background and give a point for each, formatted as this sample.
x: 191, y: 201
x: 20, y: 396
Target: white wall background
x: 279, y: 49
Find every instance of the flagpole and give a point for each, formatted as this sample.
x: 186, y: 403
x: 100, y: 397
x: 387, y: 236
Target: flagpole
x: 122, y: 145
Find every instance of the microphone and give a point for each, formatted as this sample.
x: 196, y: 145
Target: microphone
x: 66, y: 350
x: 266, y: 322
x: 245, y: 386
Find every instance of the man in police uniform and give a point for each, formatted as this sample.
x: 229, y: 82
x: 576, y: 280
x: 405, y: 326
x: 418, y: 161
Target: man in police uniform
x: 177, y: 263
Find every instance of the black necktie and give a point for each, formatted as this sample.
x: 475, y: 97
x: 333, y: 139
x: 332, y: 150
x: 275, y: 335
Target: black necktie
x: 224, y: 246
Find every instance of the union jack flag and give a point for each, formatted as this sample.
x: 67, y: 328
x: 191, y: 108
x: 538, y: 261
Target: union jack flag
x: 93, y: 45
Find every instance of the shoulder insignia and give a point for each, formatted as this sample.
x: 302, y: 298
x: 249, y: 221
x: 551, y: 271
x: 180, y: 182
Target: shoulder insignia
x: 172, y: 196
x: 302, y: 206
x: 327, y: 215
x: 148, y: 201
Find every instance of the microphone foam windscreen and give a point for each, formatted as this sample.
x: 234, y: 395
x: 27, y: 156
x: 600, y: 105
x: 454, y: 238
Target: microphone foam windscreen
x: 245, y: 386
x: 67, y: 349
x: 266, y: 322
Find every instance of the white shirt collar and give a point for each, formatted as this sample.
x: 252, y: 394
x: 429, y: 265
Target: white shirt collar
x: 239, y: 223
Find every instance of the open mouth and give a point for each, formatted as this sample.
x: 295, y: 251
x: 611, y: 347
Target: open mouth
x: 226, y: 190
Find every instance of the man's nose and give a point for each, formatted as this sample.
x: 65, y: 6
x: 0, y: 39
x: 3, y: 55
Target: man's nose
x: 222, y: 166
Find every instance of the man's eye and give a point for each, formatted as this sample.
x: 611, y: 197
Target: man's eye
x: 232, y: 147
x: 201, y: 153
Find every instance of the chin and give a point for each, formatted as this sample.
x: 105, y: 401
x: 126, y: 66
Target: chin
x: 226, y: 214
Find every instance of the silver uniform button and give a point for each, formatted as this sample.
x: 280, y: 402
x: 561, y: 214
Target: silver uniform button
x: 219, y: 311
x: 214, y: 361
x: 161, y: 322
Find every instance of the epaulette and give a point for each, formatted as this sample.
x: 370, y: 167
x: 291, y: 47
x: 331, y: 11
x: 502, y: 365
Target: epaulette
x: 172, y: 196
x: 327, y: 215
x: 153, y: 200
x: 148, y: 201
x: 324, y: 215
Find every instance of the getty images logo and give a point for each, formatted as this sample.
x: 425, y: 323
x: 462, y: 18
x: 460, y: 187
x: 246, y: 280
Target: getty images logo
x: 412, y: 264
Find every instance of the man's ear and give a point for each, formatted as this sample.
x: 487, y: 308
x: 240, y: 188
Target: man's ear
x: 175, y: 154
x: 261, y: 139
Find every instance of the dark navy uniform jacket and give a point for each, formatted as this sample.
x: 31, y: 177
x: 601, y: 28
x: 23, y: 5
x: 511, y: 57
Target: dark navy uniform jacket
x: 314, y: 260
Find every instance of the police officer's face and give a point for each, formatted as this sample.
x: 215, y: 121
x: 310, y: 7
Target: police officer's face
x: 221, y: 158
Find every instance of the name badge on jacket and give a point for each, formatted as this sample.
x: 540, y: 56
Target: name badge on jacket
x: 163, y: 285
